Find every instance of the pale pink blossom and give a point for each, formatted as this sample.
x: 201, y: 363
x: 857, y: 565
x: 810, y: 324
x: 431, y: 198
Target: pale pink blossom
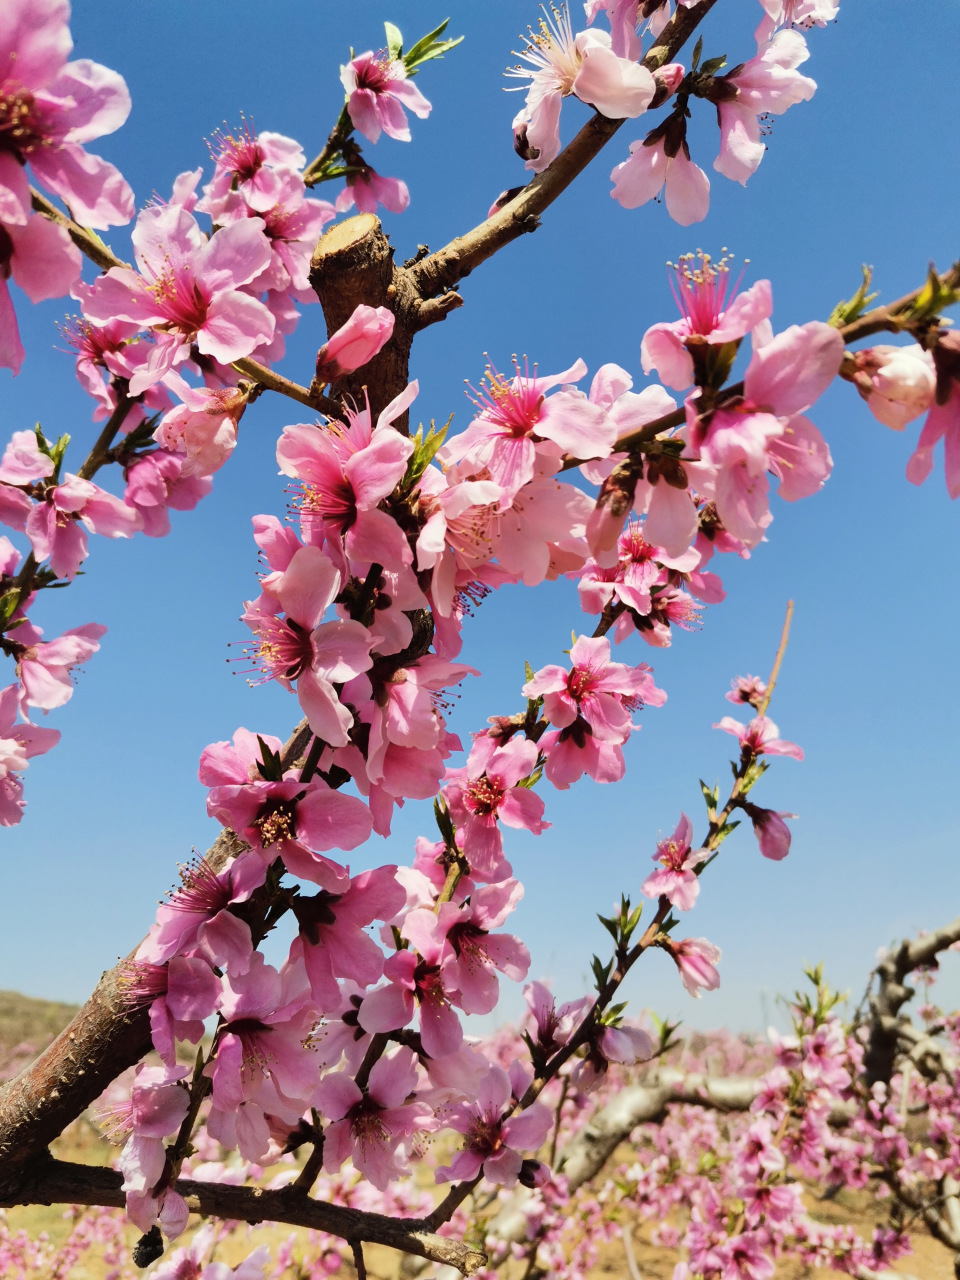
x: 44, y: 667
x: 748, y: 689
x: 42, y: 259
x: 711, y: 313
x: 655, y: 164
x: 494, y: 1142
x: 52, y: 107
x: 766, y: 431
x: 676, y: 878
x: 898, y: 383
x: 610, y: 1044
x: 416, y: 981
x: 697, y: 960
x: 190, y: 285
x: 760, y: 737
x: 355, y: 343
x: 156, y: 483
x: 584, y: 65
x: 19, y: 743
x: 766, y: 85
x: 366, y: 188
x: 943, y: 420
x: 203, y: 426
x: 553, y: 1026
x: 503, y: 441
x: 378, y: 88
x: 795, y: 13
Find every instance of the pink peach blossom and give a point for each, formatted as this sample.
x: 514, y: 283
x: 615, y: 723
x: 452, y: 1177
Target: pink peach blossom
x: 378, y: 89
x: 676, y: 879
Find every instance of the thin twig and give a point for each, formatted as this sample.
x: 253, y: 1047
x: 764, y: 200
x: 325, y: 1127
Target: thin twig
x: 781, y: 650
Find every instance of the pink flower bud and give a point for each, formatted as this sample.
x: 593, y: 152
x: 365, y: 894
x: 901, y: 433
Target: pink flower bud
x: 696, y: 958
x: 898, y: 383
x: 671, y: 75
x: 773, y: 834
x: 367, y: 331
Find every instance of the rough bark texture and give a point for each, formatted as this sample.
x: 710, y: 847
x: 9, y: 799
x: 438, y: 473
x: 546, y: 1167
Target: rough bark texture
x: 59, y: 1182
x: 886, y: 1022
x: 353, y: 265
x: 103, y: 1040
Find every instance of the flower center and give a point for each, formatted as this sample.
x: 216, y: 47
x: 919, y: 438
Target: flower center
x: 282, y: 649
x: 700, y: 288
x: 21, y: 124
x: 484, y: 796
x: 277, y: 821
x: 240, y: 155
x: 581, y: 682
x: 180, y: 297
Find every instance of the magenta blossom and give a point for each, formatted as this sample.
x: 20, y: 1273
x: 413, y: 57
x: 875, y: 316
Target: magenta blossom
x: 191, y: 286
x: 711, y: 313
x: 486, y: 792
x: 759, y: 737
x: 494, y: 1143
x: 255, y: 167
x: 697, y: 959
x: 301, y: 648
x: 355, y: 343
x: 332, y: 941
x: 346, y: 471
x: 378, y: 89
x: 373, y: 1127
x: 502, y: 441
x: 417, y: 980
x: 773, y: 834
x: 596, y: 691
x: 50, y: 107
x: 196, y: 915
x: 283, y: 818
x: 54, y: 524
x: 470, y: 953
x: 676, y: 879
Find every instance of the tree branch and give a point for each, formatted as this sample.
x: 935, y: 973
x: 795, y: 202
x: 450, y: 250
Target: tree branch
x: 60, y: 1182
x: 892, y: 993
x: 521, y: 214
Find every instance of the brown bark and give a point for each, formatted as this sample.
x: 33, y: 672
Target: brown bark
x: 59, y: 1182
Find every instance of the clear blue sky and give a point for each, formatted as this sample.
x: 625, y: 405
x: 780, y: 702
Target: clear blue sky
x: 866, y: 172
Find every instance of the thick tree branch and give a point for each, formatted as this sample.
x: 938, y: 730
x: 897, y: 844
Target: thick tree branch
x: 105, y: 1038
x: 59, y: 1182
x: 892, y: 993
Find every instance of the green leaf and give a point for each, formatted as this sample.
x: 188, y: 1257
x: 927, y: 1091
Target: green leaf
x: 846, y: 312
x: 528, y: 671
x: 713, y: 65
x: 711, y: 798
x: 725, y: 830
x: 611, y: 927
x: 394, y: 40
x: 697, y: 50
x: 429, y: 47
x: 932, y: 298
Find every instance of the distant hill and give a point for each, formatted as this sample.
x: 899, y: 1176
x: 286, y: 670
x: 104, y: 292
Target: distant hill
x: 27, y: 1026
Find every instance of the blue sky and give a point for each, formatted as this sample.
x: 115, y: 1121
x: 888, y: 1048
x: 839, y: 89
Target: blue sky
x: 860, y: 174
